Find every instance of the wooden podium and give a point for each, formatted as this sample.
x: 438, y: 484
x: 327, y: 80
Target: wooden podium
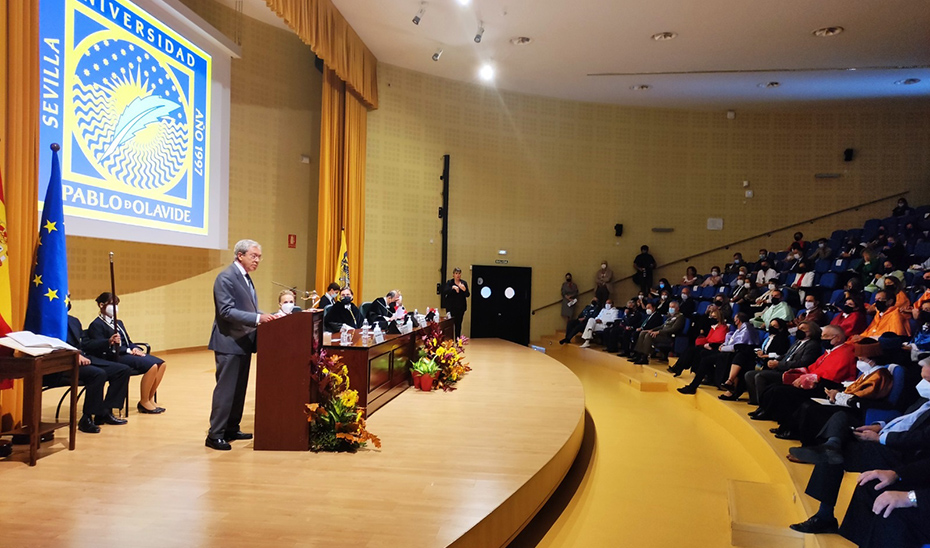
x: 286, y: 348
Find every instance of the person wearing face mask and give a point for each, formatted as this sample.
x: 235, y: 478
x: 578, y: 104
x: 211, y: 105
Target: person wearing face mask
x: 737, y: 347
x: 651, y: 320
x: 925, y: 296
x: 763, y: 256
x: 798, y: 244
x: 811, y: 313
x: 887, y: 318
x: 734, y: 267
x: 114, y: 344
x: 851, y: 319
x: 777, y: 309
x: 602, y: 279
x: 879, y: 445
x: 902, y: 209
x: 645, y: 264
x: 330, y: 297
x: 895, y: 252
x: 343, y: 312
x: 662, y: 287
x: 822, y: 252
x: 578, y: 325
x: 887, y: 272
x: 744, y: 294
x: 286, y: 302
x: 870, y: 390
x: 805, y: 351
x: 661, y: 337
x: 93, y: 374
x: 704, y: 344
x: 455, y: 296
x: 617, y: 337
x: 837, y: 364
x: 569, y: 298
x: 795, y: 256
x: 663, y: 301
x: 773, y: 348
x: 597, y: 324
x: 687, y: 305
x: 920, y: 341
x: 713, y: 279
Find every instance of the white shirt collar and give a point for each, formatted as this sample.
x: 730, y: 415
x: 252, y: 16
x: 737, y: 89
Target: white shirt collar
x: 241, y: 269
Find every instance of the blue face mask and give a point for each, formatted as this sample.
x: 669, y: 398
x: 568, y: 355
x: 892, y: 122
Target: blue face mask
x: 672, y: 310
x: 661, y: 286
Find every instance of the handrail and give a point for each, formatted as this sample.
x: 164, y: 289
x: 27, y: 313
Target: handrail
x: 768, y: 233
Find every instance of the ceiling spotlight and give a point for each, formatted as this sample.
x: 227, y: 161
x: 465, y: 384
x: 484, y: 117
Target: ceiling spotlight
x: 419, y: 15
x: 521, y: 40
x: 437, y: 55
x: 486, y: 72
x: 480, y: 32
x: 908, y: 82
x: 464, y: 2
x: 663, y: 36
x: 769, y: 84
x: 827, y: 32
x: 640, y: 87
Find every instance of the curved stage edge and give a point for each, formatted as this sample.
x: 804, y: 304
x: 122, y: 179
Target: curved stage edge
x: 466, y: 468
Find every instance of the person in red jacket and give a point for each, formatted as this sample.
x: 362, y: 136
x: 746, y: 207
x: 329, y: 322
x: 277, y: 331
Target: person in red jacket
x: 837, y: 364
x: 852, y: 318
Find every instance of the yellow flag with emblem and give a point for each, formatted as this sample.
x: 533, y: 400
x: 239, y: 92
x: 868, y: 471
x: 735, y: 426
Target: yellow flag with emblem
x: 342, y: 266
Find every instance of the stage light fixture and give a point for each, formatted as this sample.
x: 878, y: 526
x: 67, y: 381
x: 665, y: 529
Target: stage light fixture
x: 437, y: 55
x: 419, y: 15
x: 486, y: 72
x: 480, y: 33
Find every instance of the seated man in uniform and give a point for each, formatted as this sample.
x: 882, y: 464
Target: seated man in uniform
x: 383, y: 309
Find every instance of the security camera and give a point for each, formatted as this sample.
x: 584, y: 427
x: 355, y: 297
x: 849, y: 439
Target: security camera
x: 437, y: 55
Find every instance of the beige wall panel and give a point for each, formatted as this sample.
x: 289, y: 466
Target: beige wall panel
x: 547, y: 180
x: 274, y: 119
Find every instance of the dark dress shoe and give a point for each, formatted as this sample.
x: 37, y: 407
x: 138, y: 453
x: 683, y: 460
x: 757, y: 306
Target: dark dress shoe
x: 731, y: 397
x: 785, y: 434
x: 562, y: 341
x: 218, y: 444
x: 774, y: 430
x: 754, y: 413
x: 816, y: 525
x: 6, y: 449
x: 145, y: 411
x: 240, y: 435
x: 87, y: 425
x: 818, y: 454
x: 109, y: 418
x: 688, y: 389
x: 761, y: 416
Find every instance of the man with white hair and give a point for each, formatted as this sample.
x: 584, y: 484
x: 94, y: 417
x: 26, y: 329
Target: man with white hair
x: 233, y: 343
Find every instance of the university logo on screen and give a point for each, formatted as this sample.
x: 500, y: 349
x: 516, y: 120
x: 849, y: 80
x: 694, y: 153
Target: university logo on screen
x: 129, y: 101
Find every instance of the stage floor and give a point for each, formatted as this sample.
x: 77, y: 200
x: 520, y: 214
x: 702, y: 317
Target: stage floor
x: 466, y: 468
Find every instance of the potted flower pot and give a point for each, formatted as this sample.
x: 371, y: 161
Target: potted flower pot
x: 426, y: 383
x: 416, y: 378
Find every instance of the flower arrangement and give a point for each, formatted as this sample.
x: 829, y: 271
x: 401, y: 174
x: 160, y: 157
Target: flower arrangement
x: 449, y: 356
x: 425, y: 366
x: 337, y: 423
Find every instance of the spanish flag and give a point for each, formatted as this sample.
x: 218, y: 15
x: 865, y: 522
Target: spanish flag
x: 6, y: 297
x: 342, y: 267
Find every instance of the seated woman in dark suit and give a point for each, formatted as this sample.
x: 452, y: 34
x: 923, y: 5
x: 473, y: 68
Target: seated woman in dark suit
x: 774, y: 347
x: 102, y: 341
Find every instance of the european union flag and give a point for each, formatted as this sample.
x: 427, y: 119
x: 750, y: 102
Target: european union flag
x: 47, y: 313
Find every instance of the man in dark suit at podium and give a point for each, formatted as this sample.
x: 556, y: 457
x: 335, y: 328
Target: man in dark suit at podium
x: 233, y: 343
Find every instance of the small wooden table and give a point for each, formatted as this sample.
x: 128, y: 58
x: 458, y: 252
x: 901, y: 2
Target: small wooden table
x: 31, y: 370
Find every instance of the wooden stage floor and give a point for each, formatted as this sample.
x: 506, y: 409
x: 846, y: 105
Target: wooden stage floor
x: 466, y: 468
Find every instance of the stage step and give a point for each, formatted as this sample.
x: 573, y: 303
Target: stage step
x: 636, y: 376
x: 760, y: 514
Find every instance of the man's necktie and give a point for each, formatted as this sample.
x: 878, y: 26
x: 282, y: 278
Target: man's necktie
x: 252, y: 287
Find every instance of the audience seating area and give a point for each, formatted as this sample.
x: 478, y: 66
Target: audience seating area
x: 889, y: 256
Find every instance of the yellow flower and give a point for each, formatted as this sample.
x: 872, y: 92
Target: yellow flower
x: 348, y: 399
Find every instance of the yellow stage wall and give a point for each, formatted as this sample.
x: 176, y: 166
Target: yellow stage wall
x: 547, y: 180
x: 275, y: 118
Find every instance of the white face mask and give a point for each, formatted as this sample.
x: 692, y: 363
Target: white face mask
x: 808, y: 305
x: 923, y: 388
x: 603, y: 265
x: 684, y: 296
x: 287, y: 308
x: 863, y: 366
x: 746, y: 285
x: 608, y: 306
x: 714, y: 273
x: 771, y: 287
x: 110, y: 310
